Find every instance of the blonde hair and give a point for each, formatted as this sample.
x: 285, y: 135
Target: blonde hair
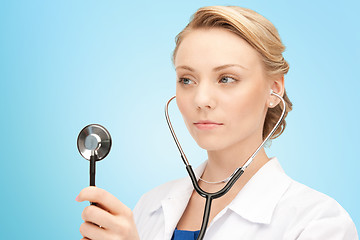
x: 256, y: 30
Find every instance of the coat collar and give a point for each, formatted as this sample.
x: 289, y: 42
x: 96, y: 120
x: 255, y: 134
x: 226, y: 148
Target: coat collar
x: 258, y: 199
x: 255, y: 202
x: 181, y: 190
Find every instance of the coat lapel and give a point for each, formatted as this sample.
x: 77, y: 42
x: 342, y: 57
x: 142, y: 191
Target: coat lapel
x: 175, y: 203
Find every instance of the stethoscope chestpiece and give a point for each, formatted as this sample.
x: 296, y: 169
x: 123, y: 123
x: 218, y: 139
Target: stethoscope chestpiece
x: 94, y: 144
x: 94, y: 140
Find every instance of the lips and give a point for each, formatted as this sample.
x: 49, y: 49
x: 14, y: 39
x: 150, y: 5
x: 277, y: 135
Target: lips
x: 207, y: 125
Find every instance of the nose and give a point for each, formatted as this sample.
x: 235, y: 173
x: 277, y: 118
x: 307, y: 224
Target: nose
x: 205, y: 97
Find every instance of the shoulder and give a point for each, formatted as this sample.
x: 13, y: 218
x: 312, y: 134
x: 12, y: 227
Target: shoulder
x: 312, y: 213
x: 311, y: 201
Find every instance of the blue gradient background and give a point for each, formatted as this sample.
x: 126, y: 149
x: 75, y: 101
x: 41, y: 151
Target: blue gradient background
x: 65, y: 64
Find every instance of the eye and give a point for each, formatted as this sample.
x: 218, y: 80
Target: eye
x: 185, y: 81
x: 227, y: 79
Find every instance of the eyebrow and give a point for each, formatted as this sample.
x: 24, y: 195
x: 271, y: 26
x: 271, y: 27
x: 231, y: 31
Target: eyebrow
x: 215, y: 69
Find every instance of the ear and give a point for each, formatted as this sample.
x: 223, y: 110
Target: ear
x: 277, y: 86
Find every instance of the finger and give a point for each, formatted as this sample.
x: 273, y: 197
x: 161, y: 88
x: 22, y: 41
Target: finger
x: 98, y: 216
x: 108, y: 201
x: 91, y: 231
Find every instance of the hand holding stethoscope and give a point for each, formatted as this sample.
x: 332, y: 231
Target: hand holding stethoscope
x: 106, y: 217
x: 109, y: 218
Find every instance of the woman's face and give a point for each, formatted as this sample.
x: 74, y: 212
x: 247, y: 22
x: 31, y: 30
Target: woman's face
x: 221, y: 89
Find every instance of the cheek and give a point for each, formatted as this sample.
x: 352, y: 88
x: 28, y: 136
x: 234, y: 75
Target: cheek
x: 183, y: 101
x: 246, y: 110
x: 184, y: 107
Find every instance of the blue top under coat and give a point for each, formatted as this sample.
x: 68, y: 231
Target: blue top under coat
x: 185, y: 235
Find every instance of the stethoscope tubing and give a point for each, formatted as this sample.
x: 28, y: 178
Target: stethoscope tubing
x: 210, y: 196
x: 232, y: 179
x: 183, y: 156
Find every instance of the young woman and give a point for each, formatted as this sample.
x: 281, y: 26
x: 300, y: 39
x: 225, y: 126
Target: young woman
x: 227, y: 60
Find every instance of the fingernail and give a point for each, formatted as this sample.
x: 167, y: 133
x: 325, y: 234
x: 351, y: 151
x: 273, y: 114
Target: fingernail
x: 77, y: 198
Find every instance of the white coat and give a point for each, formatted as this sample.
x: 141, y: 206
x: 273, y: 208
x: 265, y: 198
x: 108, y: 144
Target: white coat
x: 270, y: 206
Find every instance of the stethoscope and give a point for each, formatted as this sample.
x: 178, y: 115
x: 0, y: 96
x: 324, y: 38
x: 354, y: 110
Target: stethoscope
x: 94, y: 144
x: 230, y: 181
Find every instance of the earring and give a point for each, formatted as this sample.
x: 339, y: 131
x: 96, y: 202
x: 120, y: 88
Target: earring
x: 271, y: 104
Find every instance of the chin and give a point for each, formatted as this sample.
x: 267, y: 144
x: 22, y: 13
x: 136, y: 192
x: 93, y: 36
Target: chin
x: 210, y: 144
x: 221, y: 142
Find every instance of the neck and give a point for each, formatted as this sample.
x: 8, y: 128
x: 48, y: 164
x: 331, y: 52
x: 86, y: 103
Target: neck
x: 222, y: 163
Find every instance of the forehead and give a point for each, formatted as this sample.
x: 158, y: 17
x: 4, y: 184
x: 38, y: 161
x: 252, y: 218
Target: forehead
x: 214, y: 47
